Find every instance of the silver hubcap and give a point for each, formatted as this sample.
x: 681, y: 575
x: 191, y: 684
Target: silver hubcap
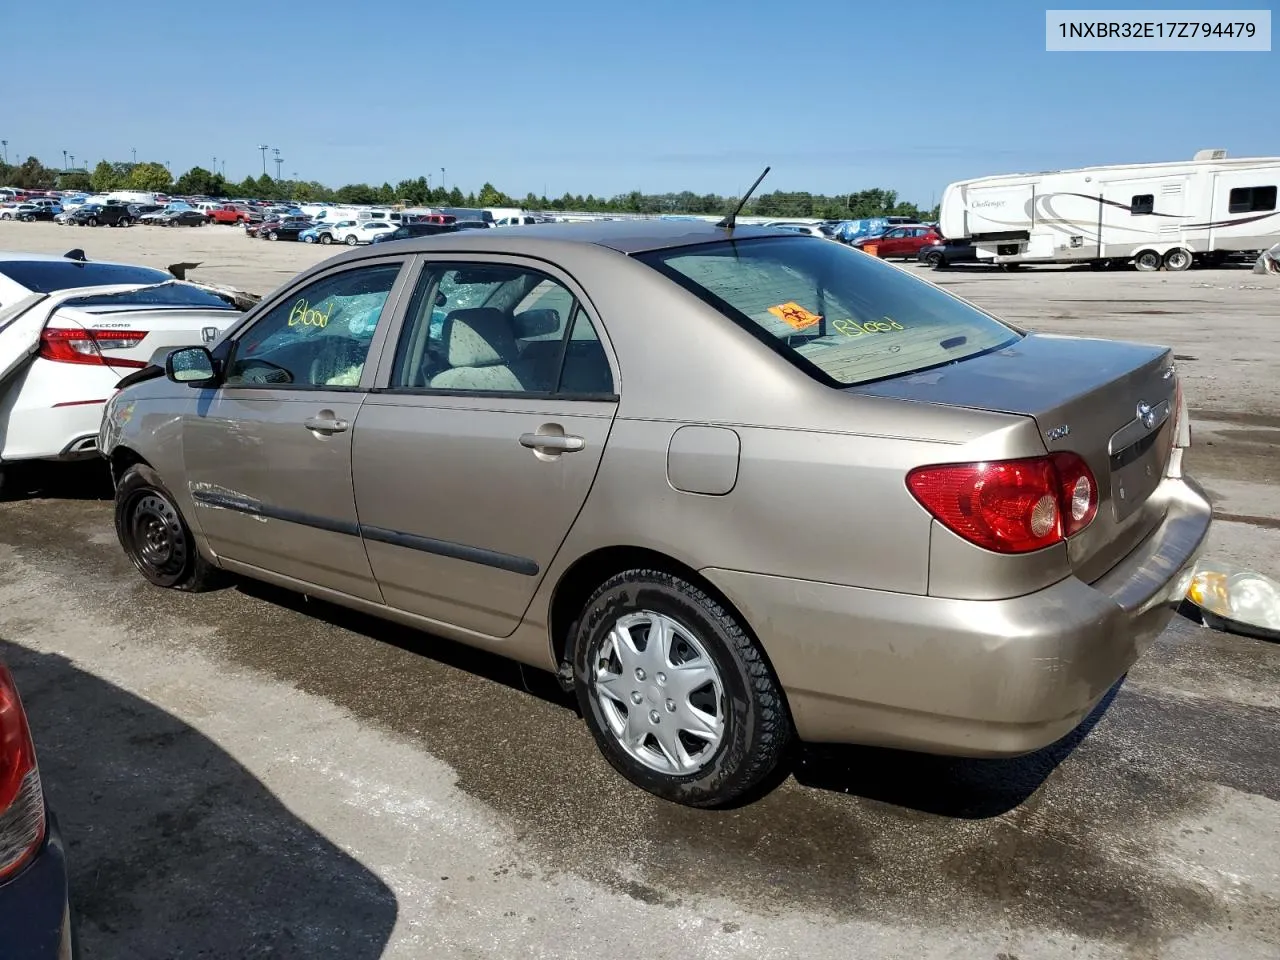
x: 660, y: 693
x: 1177, y: 259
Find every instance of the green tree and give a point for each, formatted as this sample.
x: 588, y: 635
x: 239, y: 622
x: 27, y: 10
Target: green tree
x: 34, y: 175
x: 199, y: 181
x: 491, y: 196
x: 103, y: 177
x: 75, y: 181
x: 150, y: 177
x: 356, y: 193
x: 455, y: 198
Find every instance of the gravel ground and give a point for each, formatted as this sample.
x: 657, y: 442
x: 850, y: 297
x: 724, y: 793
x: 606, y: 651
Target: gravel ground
x: 248, y: 773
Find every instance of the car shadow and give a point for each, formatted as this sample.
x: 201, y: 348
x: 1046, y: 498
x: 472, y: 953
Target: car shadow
x: 174, y: 848
x: 88, y: 479
x: 957, y: 787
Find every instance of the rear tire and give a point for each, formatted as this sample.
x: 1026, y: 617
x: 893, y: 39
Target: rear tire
x: 326, y: 239
x: 935, y: 259
x: 352, y: 240
x: 719, y: 744
x: 1178, y: 259
x: 91, y: 222
x: 156, y: 538
x: 1147, y: 261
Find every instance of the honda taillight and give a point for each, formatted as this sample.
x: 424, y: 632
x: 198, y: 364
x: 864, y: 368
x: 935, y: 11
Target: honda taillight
x: 1010, y: 506
x: 87, y: 345
x: 22, y: 822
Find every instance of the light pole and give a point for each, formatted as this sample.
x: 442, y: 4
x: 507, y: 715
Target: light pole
x: 442, y: 181
x: 276, y: 152
x: 215, y: 164
x: 264, y: 148
x: 134, y: 151
x: 73, y: 160
x: 5, y: 145
x: 64, y: 159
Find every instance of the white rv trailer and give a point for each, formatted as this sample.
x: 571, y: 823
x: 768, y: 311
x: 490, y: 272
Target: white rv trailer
x: 1156, y: 214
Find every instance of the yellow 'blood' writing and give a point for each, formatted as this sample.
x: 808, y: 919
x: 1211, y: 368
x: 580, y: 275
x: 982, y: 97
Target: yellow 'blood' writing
x: 851, y: 328
x: 302, y: 315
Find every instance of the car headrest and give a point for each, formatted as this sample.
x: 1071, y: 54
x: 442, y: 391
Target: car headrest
x: 479, y: 337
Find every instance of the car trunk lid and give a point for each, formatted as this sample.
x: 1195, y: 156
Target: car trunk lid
x: 1113, y: 403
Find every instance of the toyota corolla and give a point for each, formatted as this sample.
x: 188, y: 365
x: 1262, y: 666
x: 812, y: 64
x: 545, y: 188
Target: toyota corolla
x: 736, y: 487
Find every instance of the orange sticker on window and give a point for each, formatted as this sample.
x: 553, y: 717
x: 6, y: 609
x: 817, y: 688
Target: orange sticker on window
x: 795, y: 315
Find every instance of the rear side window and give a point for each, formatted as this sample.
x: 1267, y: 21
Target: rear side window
x: 1143, y: 204
x: 842, y: 316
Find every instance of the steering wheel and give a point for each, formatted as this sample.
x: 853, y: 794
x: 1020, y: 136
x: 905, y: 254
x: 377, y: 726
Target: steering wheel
x: 253, y: 370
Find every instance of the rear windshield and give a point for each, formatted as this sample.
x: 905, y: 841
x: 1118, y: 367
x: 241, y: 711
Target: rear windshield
x: 841, y: 315
x: 167, y: 295
x: 49, y: 276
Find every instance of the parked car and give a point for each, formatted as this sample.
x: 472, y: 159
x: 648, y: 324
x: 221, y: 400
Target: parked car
x: 35, y: 909
x: 946, y: 252
x: 95, y: 214
x: 849, y: 551
x: 287, y: 229
x: 352, y: 233
x: 808, y: 229
x: 407, y: 230
x: 472, y: 225
x: 61, y: 356
x: 54, y: 206
x: 17, y: 211
x: 233, y: 213
x: 175, y: 218
x: 321, y: 232
x: 902, y: 241
x: 139, y: 210
x: 31, y: 212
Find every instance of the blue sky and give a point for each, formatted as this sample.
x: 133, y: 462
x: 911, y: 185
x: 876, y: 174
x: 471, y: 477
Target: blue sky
x: 836, y: 95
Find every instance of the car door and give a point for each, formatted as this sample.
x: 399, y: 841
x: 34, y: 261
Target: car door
x: 268, y: 451
x: 891, y: 243
x: 474, y: 456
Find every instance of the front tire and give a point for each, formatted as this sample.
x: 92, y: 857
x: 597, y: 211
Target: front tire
x: 326, y: 239
x: 155, y: 537
x: 352, y: 240
x: 677, y: 695
x: 934, y: 259
x: 273, y: 235
x: 92, y: 222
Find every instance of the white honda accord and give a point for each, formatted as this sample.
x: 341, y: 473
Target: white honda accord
x: 70, y: 329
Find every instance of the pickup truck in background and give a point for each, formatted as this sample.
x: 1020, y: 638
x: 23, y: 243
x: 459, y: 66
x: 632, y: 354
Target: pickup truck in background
x: 233, y: 213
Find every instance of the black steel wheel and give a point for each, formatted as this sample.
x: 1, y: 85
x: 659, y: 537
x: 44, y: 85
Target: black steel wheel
x: 155, y: 536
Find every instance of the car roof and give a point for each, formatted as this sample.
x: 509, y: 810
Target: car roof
x: 624, y: 236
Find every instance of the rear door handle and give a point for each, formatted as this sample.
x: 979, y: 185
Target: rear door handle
x: 325, y: 424
x: 551, y: 442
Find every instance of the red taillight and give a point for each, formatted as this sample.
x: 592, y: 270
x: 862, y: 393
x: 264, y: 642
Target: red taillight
x: 22, y: 822
x: 87, y: 346
x: 1010, y: 506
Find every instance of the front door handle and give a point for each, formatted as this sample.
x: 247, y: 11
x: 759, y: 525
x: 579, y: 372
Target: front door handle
x: 325, y: 424
x: 551, y: 442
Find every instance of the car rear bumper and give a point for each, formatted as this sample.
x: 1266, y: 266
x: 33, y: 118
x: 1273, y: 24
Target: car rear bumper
x: 966, y: 677
x: 35, y: 910
x: 54, y: 411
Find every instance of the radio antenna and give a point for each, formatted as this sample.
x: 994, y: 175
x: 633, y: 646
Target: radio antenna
x: 729, y: 221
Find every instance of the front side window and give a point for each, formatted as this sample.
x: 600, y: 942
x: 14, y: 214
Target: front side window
x: 318, y: 337
x: 843, y: 317
x: 498, y: 329
x: 1142, y: 205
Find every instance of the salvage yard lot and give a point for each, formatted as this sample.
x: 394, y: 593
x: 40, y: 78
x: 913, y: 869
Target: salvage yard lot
x: 248, y: 773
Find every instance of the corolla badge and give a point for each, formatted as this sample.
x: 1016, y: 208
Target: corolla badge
x: 1057, y: 433
x: 1146, y: 414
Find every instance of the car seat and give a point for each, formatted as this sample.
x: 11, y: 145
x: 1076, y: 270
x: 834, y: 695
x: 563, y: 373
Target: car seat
x: 483, y: 354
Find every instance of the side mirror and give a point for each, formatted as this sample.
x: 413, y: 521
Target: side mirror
x: 193, y: 366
